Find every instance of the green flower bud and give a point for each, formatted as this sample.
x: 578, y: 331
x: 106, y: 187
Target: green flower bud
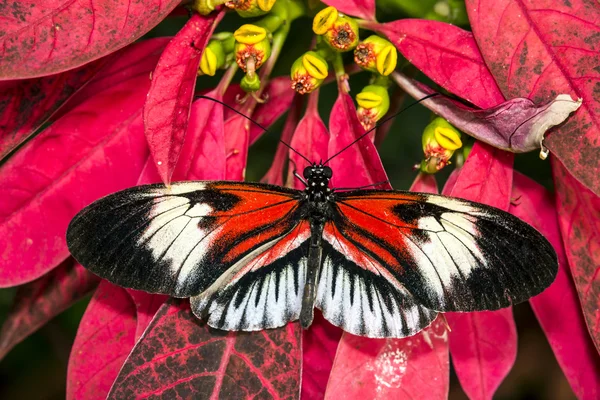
x: 376, y: 54
x: 440, y: 141
x: 213, y: 58
x: 250, y: 83
x: 250, y: 8
x: 308, y: 72
x: 205, y: 7
x: 339, y: 31
x: 252, y: 47
x: 373, y: 103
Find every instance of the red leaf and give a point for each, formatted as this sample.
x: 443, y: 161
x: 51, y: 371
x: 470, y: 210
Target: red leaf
x: 356, y: 8
x: 359, y: 164
x: 483, y: 344
x: 537, y: 49
x: 26, y: 105
x: 578, y: 211
x: 319, y: 346
x: 46, y: 38
x: 41, y: 300
x: 47, y: 182
x: 178, y: 357
x: 280, y: 98
x: 105, y: 337
x: 203, y: 153
x: 167, y: 107
x: 137, y: 59
x: 310, y: 139
x: 394, y: 368
x: 416, y: 367
x: 446, y: 54
x: 275, y: 173
x: 558, y: 308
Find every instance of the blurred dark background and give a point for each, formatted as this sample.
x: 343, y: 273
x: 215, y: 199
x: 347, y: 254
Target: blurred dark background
x: 36, y: 368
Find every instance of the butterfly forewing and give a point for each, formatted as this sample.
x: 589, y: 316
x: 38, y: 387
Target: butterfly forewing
x: 450, y: 254
x: 179, y: 240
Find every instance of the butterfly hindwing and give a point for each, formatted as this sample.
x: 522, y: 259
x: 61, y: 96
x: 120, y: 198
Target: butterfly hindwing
x: 262, y: 291
x: 450, y: 254
x: 358, y: 294
x: 179, y: 240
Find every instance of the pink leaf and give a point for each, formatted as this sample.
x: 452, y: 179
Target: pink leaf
x: 357, y: 8
x: 319, y: 346
x: 483, y: 344
x: 146, y: 306
x: 167, y: 107
x: 105, y: 337
x: 26, y: 105
x: 179, y: 356
x: 516, y: 125
x: 558, y: 308
x: 394, y: 368
x: 310, y: 139
x: 137, y: 59
x: 424, y: 183
x: 415, y: 367
x: 203, y: 153
x: 359, y: 164
x: 578, y: 210
x: 446, y: 54
x: 537, y: 49
x: 98, y: 146
x: 46, y: 38
x: 279, y: 101
x: 41, y: 300
x: 275, y: 173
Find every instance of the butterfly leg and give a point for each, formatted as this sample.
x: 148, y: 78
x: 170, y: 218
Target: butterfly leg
x: 313, y: 266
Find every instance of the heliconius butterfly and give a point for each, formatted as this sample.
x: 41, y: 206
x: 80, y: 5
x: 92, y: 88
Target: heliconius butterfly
x: 250, y: 256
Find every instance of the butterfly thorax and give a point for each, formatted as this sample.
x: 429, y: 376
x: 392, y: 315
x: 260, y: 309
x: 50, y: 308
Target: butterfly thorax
x: 317, y: 193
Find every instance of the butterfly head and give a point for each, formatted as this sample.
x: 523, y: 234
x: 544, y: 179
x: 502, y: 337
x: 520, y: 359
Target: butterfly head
x: 317, y: 182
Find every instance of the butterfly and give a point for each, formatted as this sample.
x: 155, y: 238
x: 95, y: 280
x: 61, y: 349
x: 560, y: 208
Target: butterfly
x: 251, y: 256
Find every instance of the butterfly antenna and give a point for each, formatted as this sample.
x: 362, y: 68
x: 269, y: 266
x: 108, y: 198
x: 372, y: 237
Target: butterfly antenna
x: 251, y: 120
x: 381, y: 123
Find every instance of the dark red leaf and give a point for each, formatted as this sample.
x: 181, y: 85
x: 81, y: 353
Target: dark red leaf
x: 178, y: 356
x: 356, y: 8
x: 483, y: 344
x: 516, y: 125
x: 359, y: 164
x: 394, y: 368
x: 280, y: 96
x: 105, y: 337
x: 446, y: 54
x: 319, y: 346
x: 40, y: 39
x: 578, y: 215
x: 47, y: 182
x: 26, y: 105
x: 46, y: 38
x: 167, y: 107
x: 558, y: 307
x: 203, y: 153
x: 538, y: 49
x: 137, y: 59
x: 416, y: 367
x: 41, y: 300
x: 275, y: 173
